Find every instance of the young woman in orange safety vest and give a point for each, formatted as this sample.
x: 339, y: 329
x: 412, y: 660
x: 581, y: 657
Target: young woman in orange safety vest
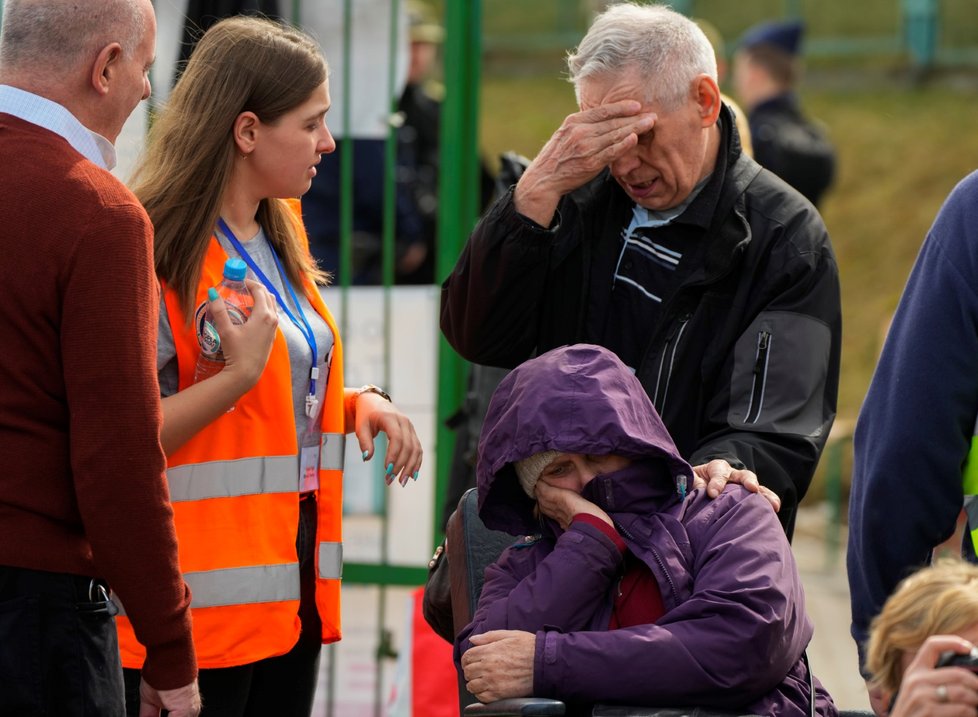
x: 256, y: 490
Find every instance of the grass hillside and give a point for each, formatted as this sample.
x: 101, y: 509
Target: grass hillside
x: 901, y: 151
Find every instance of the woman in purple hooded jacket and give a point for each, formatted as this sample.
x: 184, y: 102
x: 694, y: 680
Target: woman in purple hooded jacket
x: 626, y: 589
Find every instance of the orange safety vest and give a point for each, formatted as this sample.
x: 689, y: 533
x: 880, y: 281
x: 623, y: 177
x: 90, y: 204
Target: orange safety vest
x: 234, y: 487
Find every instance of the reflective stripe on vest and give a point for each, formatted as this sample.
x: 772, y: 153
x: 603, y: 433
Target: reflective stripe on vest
x: 331, y: 561
x: 230, y: 479
x: 248, y: 476
x: 970, y: 484
x: 332, y: 451
x: 241, y: 586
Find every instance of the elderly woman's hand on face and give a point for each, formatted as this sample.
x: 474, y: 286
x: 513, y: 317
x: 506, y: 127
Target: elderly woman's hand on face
x: 499, y: 665
x: 562, y: 504
x: 940, y: 691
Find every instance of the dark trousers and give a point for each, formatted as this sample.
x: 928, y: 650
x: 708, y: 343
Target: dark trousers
x: 284, y: 686
x: 59, y: 653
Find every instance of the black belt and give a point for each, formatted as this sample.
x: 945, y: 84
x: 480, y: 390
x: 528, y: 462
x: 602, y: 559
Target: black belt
x: 90, y: 595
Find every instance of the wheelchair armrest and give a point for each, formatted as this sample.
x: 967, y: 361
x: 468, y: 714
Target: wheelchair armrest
x: 517, y: 707
x: 627, y: 711
x: 542, y: 707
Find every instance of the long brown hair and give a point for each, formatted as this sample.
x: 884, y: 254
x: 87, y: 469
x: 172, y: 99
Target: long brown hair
x: 241, y: 64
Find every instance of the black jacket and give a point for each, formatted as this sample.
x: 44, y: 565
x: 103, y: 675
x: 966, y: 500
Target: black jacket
x: 792, y: 146
x: 743, y: 363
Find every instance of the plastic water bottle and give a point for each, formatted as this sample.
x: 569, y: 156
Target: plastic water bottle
x: 239, y: 302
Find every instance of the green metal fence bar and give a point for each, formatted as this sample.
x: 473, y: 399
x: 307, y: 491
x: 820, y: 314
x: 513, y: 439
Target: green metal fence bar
x: 390, y: 157
x: 388, y: 233
x: 458, y: 203
x: 374, y: 574
x: 345, y: 269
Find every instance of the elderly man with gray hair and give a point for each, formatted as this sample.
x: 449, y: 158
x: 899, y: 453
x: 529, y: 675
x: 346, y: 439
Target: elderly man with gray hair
x: 641, y: 226
x: 84, y: 507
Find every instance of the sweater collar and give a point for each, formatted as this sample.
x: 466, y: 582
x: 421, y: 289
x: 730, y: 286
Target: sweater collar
x: 56, y: 118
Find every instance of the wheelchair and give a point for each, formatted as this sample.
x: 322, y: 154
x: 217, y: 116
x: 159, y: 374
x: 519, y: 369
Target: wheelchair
x: 473, y: 547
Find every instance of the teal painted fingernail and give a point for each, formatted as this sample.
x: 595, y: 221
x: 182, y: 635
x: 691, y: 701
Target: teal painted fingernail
x: 415, y: 475
x: 390, y: 468
x: 365, y: 454
x: 212, y: 294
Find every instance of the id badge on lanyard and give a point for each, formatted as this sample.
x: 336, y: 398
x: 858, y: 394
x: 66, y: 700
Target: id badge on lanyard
x: 309, y: 449
x: 309, y: 461
x: 312, y: 440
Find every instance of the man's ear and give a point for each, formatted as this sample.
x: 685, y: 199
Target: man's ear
x: 103, y: 69
x: 707, y: 94
x: 246, y: 128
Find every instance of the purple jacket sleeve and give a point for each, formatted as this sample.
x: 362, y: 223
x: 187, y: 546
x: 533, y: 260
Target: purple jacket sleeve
x: 563, y: 591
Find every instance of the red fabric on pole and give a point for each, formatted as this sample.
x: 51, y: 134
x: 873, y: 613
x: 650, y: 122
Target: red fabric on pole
x: 434, y: 683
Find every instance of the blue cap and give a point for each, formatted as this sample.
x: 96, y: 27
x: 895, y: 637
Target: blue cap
x: 235, y: 269
x: 785, y: 35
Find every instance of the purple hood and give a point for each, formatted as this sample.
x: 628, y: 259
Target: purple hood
x: 575, y: 399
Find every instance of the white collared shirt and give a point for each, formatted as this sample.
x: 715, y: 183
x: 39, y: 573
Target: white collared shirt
x: 55, y: 118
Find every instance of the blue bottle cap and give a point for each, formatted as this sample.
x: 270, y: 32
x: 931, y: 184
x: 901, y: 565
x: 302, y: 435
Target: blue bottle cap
x: 235, y: 269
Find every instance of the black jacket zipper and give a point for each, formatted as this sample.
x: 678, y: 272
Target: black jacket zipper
x: 760, y: 377
x: 665, y: 370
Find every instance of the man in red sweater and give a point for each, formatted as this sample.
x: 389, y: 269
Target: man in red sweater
x: 83, y: 500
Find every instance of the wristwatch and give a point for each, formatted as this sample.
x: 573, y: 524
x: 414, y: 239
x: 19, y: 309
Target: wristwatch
x: 370, y: 388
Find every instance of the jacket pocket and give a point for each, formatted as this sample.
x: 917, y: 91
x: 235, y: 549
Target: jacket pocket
x: 780, y: 369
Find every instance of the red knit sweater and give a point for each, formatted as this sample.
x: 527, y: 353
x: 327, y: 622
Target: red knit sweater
x: 82, y: 484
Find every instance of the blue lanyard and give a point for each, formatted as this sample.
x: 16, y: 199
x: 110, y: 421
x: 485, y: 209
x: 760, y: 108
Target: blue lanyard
x: 304, y: 328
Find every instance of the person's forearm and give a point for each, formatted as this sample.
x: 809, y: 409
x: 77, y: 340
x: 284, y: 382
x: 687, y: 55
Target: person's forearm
x: 533, y: 198
x: 579, y: 574
x: 352, y: 398
x: 117, y: 464
x: 189, y: 411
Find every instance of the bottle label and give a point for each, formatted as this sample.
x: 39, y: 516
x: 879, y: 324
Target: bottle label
x: 207, y: 336
x: 235, y: 313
